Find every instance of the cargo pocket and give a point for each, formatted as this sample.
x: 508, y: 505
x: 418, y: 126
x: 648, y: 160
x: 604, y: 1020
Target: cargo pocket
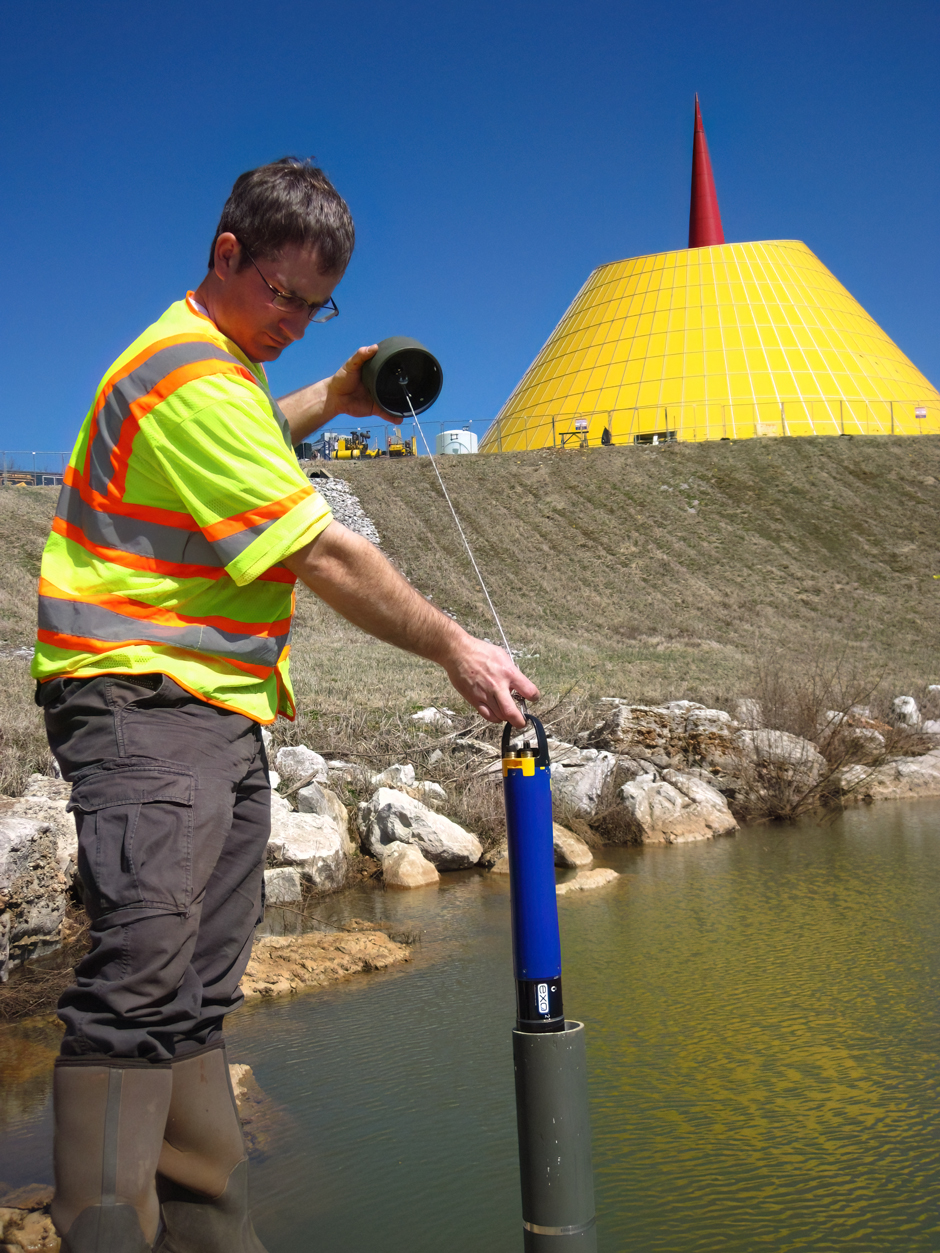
x: 135, y: 838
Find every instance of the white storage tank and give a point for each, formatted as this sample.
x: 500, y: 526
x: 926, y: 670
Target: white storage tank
x: 456, y: 441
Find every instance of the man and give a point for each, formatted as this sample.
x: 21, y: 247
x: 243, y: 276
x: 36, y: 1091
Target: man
x: 164, y: 624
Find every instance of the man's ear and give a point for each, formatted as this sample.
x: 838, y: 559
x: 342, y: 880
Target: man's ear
x: 227, y: 255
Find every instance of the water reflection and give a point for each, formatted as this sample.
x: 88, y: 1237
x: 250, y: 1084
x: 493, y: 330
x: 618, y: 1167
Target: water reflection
x: 762, y: 1019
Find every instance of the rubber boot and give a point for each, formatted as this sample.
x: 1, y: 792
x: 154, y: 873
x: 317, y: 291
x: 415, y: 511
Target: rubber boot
x: 203, y: 1171
x: 109, y: 1120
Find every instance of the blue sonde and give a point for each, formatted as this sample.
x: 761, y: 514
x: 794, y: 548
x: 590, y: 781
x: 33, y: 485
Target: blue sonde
x: 548, y: 1050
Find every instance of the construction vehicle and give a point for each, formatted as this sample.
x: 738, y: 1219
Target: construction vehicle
x: 397, y: 446
x: 334, y: 447
x: 356, y: 444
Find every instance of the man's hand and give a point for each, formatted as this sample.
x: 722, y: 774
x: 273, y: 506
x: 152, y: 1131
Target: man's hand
x: 486, y: 676
x: 354, y: 578
x: 347, y: 393
x: 343, y: 392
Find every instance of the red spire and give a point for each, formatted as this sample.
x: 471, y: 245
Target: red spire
x: 704, y: 215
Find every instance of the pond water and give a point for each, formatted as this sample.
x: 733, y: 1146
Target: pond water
x: 762, y: 1037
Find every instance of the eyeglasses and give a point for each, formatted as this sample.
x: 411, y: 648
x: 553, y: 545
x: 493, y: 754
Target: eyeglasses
x: 296, y: 304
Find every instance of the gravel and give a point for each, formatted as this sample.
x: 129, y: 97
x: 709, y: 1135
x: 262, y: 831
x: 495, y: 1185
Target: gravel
x: 346, y: 507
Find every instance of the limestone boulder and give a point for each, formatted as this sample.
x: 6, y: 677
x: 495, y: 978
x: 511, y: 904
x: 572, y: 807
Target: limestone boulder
x: 282, y: 886
x: 294, y: 765
x: 675, y: 809
x: 397, y: 775
x: 47, y: 799
x: 429, y: 791
x: 677, y: 734
x: 642, y: 731
x: 782, y: 753
x: 587, y: 880
x: 341, y: 772
x: 316, y: 799
x: 33, y: 889
x: 577, y: 784
x: 280, y: 804
x: 392, y: 816
x: 707, y: 734
x: 856, y: 733
x: 313, y: 845
x: 904, y: 711
x: 23, y: 1231
x: 904, y: 778
x: 404, y: 867
x: 748, y: 713
x: 571, y: 852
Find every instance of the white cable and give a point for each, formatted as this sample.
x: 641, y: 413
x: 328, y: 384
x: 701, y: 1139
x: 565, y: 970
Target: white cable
x: 459, y: 527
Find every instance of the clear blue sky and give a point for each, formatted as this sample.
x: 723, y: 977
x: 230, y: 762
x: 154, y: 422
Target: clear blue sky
x: 492, y: 153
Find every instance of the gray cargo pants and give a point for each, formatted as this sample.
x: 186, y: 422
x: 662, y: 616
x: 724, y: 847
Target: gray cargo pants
x: 173, y: 809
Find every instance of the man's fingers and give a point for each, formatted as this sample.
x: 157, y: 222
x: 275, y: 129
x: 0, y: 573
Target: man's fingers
x: 361, y: 356
x: 526, y: 689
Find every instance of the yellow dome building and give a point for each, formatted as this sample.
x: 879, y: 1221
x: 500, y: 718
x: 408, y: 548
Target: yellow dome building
x: 714, y: 341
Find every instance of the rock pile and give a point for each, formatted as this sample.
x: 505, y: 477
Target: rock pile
x: 643, y: 774
x: 25, y: 1225
x: 344, y: 503
x: 393, y: 817
x: 38, y: 851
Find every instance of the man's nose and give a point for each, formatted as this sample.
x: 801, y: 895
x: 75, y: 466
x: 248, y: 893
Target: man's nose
x: 294, y: 326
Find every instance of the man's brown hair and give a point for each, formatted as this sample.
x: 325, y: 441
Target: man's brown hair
x: 288, y: 202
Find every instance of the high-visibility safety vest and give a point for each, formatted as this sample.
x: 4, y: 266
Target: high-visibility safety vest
x: 182, y: 498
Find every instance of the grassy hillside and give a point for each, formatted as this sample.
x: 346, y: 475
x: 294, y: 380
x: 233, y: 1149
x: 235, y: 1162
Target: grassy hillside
x: 658, y: 570
x: 648, y: 573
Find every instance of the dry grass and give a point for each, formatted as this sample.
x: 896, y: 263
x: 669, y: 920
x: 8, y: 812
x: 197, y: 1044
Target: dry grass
x: 25, y: 515
x: 612, y: 585
x: 608, y: 584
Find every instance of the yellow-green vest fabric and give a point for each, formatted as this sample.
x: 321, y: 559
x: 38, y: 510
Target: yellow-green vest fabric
x: 181, y: 500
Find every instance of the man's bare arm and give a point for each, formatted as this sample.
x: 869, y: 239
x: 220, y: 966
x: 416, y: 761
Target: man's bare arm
x: 311, y: 407
x: 352, y: 577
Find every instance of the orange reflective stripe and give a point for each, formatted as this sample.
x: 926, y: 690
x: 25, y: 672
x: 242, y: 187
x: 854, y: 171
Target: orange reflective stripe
x: 277, y: 574
x: 253, y: 517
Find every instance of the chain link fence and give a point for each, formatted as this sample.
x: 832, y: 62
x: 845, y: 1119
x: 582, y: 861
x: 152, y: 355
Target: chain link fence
x: 653, y: 424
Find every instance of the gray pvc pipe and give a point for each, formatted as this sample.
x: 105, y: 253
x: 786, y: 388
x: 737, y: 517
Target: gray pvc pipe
x: 554, y: 1139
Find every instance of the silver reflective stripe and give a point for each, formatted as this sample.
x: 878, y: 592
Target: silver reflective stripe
x: 574, y: 1230
x: 134, y: 535
x: 72, y: 617
x: 232, y: 546
x: 279, y: 417
x: 136, y: 385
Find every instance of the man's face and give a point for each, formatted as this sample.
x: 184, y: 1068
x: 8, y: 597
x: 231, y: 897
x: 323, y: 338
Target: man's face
x: 242, y: 307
